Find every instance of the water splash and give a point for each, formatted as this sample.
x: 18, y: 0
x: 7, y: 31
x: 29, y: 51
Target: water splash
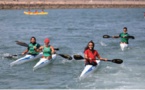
x: 102, y: 43
x: 8, y: 55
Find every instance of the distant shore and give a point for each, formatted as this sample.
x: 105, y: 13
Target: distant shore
x: 71, y: 4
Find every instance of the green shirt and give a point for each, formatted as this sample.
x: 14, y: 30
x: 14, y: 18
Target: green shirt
x: 124, y: 37
x: 46, y: 51
x: 31, y: 49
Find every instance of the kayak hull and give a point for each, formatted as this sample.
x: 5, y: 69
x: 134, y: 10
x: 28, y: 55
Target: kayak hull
x: 33, y: 13
x: 89, y: 69
x: 43, y: 62
x: 123, y: 46
x: 26, y: 58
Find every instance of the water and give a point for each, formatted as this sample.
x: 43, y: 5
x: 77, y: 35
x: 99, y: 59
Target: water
x: 70, y: 30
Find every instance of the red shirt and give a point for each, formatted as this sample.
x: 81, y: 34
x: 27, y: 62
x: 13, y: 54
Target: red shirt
x: 91, y: 54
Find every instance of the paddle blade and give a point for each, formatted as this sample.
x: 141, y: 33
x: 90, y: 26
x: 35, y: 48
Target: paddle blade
x: 78, y: 57
x: 56, y: 48
x: 106, y: 36
x: 7, y: 55
x: 132, y: 37
x: 21, y: 43
x: 66, y: 56
x: 118, y: 61
x: 26, y: 45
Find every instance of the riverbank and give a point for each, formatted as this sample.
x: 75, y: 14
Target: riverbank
x: 71, y: 4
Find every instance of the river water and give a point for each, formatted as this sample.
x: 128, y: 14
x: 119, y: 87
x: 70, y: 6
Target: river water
x: 70, y: 30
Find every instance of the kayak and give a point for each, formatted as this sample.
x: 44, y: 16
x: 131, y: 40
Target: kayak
x: 123, y: 46
x: 43, y: 62
x: 89, y: 69
x: 35, y: 13
x: 26, y: 58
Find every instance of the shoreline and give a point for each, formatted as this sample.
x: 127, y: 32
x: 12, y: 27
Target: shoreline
x: 71, y: 4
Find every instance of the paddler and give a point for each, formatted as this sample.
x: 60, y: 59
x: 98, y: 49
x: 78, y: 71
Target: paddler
x: 124, y: 36
x: 47, y: 49
x: 90, y: 54
x: 36, y: 12
x: 33, y: 47
x: 42, y: 11
x: 29, y: 11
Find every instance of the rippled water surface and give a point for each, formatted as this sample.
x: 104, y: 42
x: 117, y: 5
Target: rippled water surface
x: 70, y: 30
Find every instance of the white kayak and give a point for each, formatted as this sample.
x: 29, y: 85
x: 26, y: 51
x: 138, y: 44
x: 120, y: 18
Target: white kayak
x: 123, y: 46
x: 89, y: 69
x: 26, y: 58
x: 43, y: 62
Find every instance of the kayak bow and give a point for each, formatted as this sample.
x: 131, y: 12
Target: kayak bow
x: 26, y: 58
x: 43, y: 62
x: 89, y: 69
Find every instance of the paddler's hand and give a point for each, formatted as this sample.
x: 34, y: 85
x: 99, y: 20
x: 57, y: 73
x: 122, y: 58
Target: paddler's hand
x: 23, y: 53
x: 90, y: 59
x: 35, y: 48
x: 105, y: 59
x: 124, y: 36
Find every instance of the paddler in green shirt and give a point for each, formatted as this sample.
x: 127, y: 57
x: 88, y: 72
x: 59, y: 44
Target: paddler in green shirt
x: 33, y: 47
x: 47, y: 49
x: 124, y: 36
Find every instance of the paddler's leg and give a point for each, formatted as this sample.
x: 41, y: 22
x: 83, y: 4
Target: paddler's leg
x: 94, y: 63
x: 48, y: 57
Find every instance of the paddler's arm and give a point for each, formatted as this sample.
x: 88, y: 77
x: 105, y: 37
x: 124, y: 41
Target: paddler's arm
x: 23, y: 53
x: 40, y: 49
x: 52, y: 50
x: 115, y: 36
x: 100, y: 58
x: 36, y: 48
x: 86, y: 58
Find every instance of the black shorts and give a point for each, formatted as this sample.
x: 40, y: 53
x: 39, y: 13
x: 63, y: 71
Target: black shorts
x: 32, y: 54
x: 92, y: 63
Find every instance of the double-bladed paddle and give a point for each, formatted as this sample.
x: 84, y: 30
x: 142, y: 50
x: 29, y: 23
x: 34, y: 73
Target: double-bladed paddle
x: 11, y: 56
x: 26, y: 45
x: 118, y: 61
x: 107, y: 36
x: 66, y: 56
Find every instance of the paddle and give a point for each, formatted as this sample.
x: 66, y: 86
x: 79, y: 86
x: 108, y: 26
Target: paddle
x: 132, y: 37
x: 15, y: 55
x: 26, y: 45
x: 66, y: 56
x: 21, y: 43
x: 107, y: 36
x: 117, y: 61
x: 11, y: 56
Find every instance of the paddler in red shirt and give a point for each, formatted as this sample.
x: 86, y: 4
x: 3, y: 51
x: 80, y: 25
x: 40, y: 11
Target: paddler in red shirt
x: 90, y: 54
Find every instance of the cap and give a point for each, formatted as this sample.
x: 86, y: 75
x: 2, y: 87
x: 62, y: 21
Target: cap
x: 46, y: 40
